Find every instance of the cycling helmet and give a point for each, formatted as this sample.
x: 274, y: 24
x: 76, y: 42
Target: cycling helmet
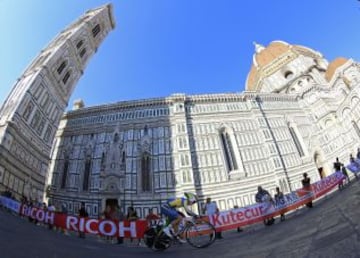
x: 191, y: 197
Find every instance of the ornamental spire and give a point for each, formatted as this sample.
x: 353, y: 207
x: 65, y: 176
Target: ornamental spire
x: 258, y: 47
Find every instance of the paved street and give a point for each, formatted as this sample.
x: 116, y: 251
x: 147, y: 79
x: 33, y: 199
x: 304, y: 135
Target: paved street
x: 330, y: 229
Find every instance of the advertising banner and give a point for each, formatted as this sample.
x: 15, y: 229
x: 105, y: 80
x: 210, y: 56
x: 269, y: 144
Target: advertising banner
x: 224, y: 220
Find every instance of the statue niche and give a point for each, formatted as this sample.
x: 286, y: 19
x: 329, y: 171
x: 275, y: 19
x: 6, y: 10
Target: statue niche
x: 113, y: 158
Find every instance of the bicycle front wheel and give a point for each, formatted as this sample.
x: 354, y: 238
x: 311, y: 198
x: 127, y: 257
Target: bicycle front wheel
x: 161, y: 242
x: 200, y: 234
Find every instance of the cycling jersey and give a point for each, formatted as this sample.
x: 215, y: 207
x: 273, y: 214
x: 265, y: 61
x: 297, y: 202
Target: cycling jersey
x: 169, y: 208
x: 177, y: 202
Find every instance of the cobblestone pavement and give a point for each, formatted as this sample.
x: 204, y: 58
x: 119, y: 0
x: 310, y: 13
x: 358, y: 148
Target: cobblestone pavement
x: 329, y: 229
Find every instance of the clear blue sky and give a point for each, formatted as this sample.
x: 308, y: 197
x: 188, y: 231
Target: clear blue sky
x: 160, y: 47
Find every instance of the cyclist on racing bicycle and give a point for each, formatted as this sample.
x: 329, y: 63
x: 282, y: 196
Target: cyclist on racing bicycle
x: 169, y: 209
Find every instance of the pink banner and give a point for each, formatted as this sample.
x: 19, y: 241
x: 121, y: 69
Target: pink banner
x: 255, y: 213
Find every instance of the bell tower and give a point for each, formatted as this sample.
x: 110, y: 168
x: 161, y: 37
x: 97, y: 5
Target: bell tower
x: 31, y: 113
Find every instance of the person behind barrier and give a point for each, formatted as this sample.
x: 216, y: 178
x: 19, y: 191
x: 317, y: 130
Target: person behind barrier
x: 345, y: 173
x: 212, y: 209
x: 307, y: 186
x: 82, y: 214
x: 169, y: 209
x: 337, y: 164
x: 64, y: 211
x: 119, y: 215
x: 238, y: 229
x: 263, y: 196
x: 279, y: 200
x: 152, y: 218
x: 132, y: 216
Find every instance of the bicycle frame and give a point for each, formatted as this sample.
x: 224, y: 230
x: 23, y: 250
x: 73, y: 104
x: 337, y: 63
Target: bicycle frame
x: 190, y: 228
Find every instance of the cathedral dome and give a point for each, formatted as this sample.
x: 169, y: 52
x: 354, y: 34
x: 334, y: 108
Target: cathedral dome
x: 266, y: 60
x: 335, y: 64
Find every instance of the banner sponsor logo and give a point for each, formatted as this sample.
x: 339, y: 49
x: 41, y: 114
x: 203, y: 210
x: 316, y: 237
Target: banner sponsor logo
x: 40, y: 215
x: 252, y: 214
x: 104, y: 227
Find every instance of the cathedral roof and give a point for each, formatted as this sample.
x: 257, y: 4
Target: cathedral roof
x: 265, y: 56
x: 336, y: 63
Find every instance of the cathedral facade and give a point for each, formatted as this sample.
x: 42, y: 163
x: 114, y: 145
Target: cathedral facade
x: 297, y: 114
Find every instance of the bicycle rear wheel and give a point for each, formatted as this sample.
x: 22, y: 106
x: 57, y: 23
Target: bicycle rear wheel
x: 200, y: 234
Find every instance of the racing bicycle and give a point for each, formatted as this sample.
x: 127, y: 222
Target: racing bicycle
x: 197, y: 231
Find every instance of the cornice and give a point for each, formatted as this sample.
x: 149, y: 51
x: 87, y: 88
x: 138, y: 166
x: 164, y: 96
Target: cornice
x: 118, y: 106
x: 169, y: 101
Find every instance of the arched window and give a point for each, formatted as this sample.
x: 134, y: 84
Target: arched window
x: 87, y: 173
x: 296, y: 141
x: 96, y: 30
x: 228, y: 151
x: 145, y: 173
x: 356, y: 128
x: 346, y: 112
x: 61, y: 67
x: 66, y: 77
x: 103, y: 157
x: 65, y: 172
x: 79, y: 44
x: 82, y: 52
x: 354, y: 101
x: 123, y: 156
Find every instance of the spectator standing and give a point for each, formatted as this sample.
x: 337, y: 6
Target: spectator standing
x: 119, y: 215
x: 82, y: 214
x: 337, y: 164
x: 352, y: 158
x: 132, y: 216
x: 345, y: 173
x: 106, y: 214
x: 239, y: 229
x: 279, y: 200
x: 211, y: 209
x: 64, y: 211
x: 264, y: 196
x: 51, y: 208
x: 152, y: 218
x: 307, y: 186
